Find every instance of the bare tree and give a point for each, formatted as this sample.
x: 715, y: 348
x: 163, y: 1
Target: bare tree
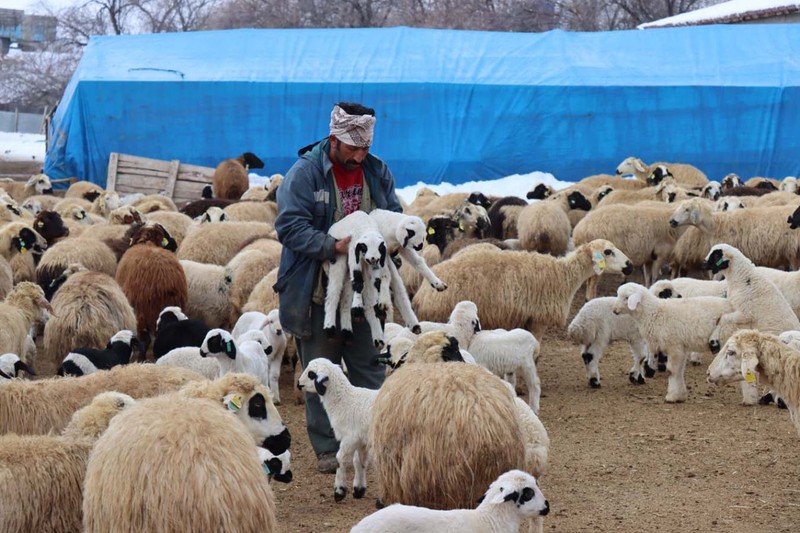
x: 32, y: 81
x: 159, y: 16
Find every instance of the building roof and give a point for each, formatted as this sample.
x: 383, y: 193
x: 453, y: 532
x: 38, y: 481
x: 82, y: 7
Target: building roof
x: 728, y: 12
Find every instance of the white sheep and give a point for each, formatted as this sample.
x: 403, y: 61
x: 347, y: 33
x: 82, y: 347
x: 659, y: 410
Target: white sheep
x: 278, y: 338
x: 189, y: 357
x: 512, y: 352
x: 789, y: 184
x: 462, y: 324
x: 596, y: 326
x: 750, y: 356
x: 675, y: 327
x: 349, y: 410
x: 686, y: 175
x: 689, y: 288
x: 11, y: 365
x: 366, y: 262
x: 255, y: 355
x: 512, y: 498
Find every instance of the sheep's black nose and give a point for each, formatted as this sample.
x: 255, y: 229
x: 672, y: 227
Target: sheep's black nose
x: 546, y: 510
x: 628, y: 270
x: 673, y: 223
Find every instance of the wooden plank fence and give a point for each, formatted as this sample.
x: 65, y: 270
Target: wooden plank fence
x: 132, y: 174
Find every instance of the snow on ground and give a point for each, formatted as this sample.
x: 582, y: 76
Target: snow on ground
x: 21, y: 147
x: 25, y: 147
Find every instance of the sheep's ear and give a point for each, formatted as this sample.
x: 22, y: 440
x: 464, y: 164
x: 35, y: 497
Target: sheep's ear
x: 638, y: 164
x: 6, y: 376
x: 20, y: 365
x: 409, y: 234
x: 233, y: 402
x: 91, y: 196
x: 319, y: 385
x: 749, y: 367
x: 361, y: 249
x: 634, y: 300
x: 695, y: 216
x: 382, y: 250
x: 505, y: 497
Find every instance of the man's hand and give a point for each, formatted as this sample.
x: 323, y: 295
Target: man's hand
x: 342, y: 245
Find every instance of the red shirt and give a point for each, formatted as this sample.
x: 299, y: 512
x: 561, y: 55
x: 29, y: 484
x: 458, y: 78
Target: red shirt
x: 351, y: 186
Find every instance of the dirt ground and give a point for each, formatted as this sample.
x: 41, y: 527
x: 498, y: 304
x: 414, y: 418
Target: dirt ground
x: 620, y: 458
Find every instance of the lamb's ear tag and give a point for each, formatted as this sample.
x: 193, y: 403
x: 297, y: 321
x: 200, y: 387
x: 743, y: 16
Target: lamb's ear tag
x: 431, y: 231
x: 749, y: 376
x: 600, y: 261
x: 22, y: 246
x: 234, y: 403
x: 228, y: 346
x: 81, y: 215
x: 265, y: 466
x: 164, y: 242
x: 461, y: 226
x: 40, y: 224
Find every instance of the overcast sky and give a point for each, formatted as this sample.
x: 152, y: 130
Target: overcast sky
x: 31, y: 6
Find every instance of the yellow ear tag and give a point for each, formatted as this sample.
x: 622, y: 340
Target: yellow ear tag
x: 164, y: 242
x: 749, y: 376
x: 81, y: 214
x: 601, y: 261
x: 461, y: 226
x: 431, y: 231
x: 235, y: 403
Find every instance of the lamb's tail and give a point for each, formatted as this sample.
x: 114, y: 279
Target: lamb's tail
x: 543, y: 243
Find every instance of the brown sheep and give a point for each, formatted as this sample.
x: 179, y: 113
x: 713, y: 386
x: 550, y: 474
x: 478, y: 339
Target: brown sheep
x: 230, y: 179
x: 152, y: 278
x: 89, y: 308
x: 50, y: 225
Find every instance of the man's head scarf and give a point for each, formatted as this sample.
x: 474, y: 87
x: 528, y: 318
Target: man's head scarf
x: 355, y: 130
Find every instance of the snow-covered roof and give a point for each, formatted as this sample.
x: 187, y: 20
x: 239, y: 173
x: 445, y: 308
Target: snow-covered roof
x: 728, y: 12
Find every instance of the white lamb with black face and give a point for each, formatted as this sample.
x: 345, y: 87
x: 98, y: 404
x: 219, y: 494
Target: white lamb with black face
x: 370, y: 279
x: 512, y: 498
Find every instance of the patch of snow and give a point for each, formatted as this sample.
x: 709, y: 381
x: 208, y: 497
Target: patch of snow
x: 719, y: 11
x: 514, y: 185
x: 21, y: 147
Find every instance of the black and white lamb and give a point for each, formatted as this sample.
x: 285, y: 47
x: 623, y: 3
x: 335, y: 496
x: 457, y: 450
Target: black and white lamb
x: 84, y: 361
x: 175, y: 330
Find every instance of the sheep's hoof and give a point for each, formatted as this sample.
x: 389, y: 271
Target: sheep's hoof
x: 766, y: 399
x: 347, y: 334
x: 339, y: 493
x: 675, y: 398
x: 358, y: 312
x: 662, y: 367
x: 587, y: 357
x: 358, y: 492
x: 330, y: 332
x: 649, y: 371
x: 379, y: 344
x: 781, y: 404
x: 284, y: 478
x: 416, y: 330
x: 379, y: 503
x: 714, y: 346
x: 640, y: 380
x: 440, y: 287
x: 632, y: 377
x: 594, y: 383
x: 697, y: 363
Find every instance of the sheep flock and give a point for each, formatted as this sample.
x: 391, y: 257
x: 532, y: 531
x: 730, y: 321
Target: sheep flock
x: 147, y: 384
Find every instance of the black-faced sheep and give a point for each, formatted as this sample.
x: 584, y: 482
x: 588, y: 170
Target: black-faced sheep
x: 176, y: 330
x: 118, y: 351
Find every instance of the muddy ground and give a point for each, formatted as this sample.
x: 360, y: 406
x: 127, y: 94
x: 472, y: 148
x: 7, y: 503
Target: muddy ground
x: 621, y: 459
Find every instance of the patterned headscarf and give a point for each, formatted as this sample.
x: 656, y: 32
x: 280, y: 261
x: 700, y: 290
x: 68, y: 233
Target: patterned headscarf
x: 355, y: 130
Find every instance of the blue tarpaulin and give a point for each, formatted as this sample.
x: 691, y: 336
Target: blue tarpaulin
x: 451, y: 105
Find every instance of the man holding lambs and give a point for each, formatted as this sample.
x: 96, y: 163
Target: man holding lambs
x: 332, y: 179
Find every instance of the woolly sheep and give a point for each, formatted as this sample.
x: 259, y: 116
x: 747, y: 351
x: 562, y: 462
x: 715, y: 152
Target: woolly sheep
x: 245, y: 270
x: 18, y: 238
x: 729, y: 204
x: 49, y: 225
x: 209, y: 293
x: 545, y: 227
x: 263, y: 298
x: 640, y: 232
x: 150, y: 203
x: 36, y: 184
x: 176, y: 224
x: 689, y: 288
x: 757, y: 303
x: 197, y: 208
x: 11, y: 365
x: 512, y: 498
x: 89, y: 308
x: 23, y: 307
x: 189, y: 357
x: 92, y: 254
x: 505, y: 352
x: 270, y: 325
x: 750, y: 356
x: 675, y: 327
x: 503, y: 216
x: 42, y: 475
x: 83, y: 361
x: 45, y: 405
x: 151, y: 278
x: 6, y: 278
x: 789, y: 184
x: 760, y: 233
x: 230, y: 179
x: 463, y: 323
x: 254, y: 355
x: 212, y: 214
x: 349, y: 410
x: 252, y: 211
x: 219, y: 243
x: 423, y: 413
x: 157, y: 442
x: 595, y: 326
x: 684, y: 174
x: 84, y: 189
x: 531, y: 291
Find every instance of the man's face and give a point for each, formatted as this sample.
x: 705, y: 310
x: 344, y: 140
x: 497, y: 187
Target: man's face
x: 348, y: 156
